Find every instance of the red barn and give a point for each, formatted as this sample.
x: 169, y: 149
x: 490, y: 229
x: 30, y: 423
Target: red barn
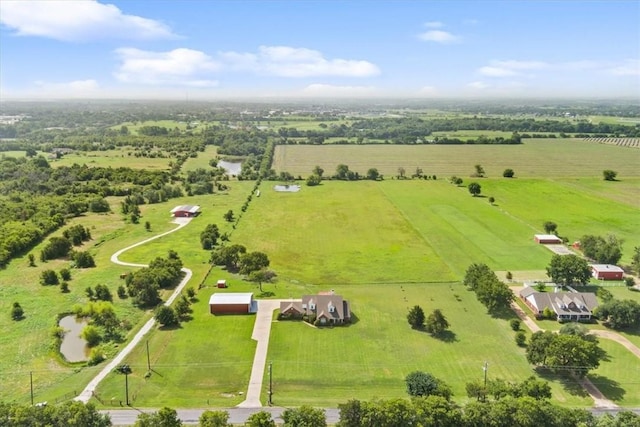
x: 232, y: 303
x: 549, y: 239
x: 607, y: 272
x: 185, y: 211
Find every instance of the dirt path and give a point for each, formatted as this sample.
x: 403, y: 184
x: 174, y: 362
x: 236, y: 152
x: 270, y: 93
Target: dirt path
x: 88, y: 391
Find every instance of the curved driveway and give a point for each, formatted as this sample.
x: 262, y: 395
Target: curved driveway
x: 88, y: 391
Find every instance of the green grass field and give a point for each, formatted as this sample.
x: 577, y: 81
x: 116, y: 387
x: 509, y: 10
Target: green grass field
x: 202, y: 161
x: 370, y: 358
x: 112, y: 158
x: 535, y: 158
x: 169, y: 124
x: 383, y: 245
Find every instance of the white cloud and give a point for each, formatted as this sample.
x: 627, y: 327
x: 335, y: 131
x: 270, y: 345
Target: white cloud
x: 428, y: 90
x: 510, y: 68
x: 631, y: 67
x: 478, y: 85
x: 434, y: 24
x: 322, y: 90
x: 183, y: 67
x: 286, y: 61
x: 73, y: 89
x: 438, y: 36
x: 78, y: 21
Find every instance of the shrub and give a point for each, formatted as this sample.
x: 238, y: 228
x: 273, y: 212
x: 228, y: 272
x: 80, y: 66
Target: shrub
x: 17, y: 313
x: 84, y: 260
x: 49, y: 277
x: 509, y: 275
x: 515, y: 324
x: 629, y: 281
x: 91, y: 335
x: 64, y: 287
x: 65, y: 274
x: 96, y: 356
x: 508, y: 173
x: 122, y: 292
x: 521, y: 338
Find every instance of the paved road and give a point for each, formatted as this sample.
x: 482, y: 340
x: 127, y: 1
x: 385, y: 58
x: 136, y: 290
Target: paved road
x: 88, y: 391
x: 261, y: 333
x: 127, y: 417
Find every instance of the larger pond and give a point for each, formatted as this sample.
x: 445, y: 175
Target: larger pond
x: 73, y: 347
x: 232, y: 168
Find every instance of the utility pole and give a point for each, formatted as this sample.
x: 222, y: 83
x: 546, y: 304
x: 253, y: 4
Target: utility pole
x: 126, y: 387
x: 485, y: 368
x: 31, y: 385
x: 270, y: 383
x: 148, y: 360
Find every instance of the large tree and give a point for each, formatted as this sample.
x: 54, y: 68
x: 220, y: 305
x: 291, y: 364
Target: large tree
x: 165, y: 417
x: 603, y: 251
x: 304, y: 416
x: 229, y: 256
x: 569, y: 270
x: 565, y: 353
x: 253, y: 261
x: 550, y: 227
x: 619, y: 314
x: 416, y: 317
x: 436, y: 322
x: 424, y: 384
x: 474, y: 188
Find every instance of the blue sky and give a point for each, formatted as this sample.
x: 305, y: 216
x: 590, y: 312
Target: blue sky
x: 199, y: 49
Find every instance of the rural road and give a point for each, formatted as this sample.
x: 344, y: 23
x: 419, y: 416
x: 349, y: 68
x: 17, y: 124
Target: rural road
x: 88, y: 391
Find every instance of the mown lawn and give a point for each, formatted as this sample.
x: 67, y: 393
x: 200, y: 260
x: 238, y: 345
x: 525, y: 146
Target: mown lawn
x: 205, y: 362
x: 618, y: 377
x: 370, y: 358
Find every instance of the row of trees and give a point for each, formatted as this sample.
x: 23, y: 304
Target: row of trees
x: 144, y: 285
x: 490, y: 291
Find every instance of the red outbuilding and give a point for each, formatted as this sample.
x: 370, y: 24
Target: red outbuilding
x: 549, y: 239
x: 185, y: 211
x: 232, y: 303
x: 607, y: 272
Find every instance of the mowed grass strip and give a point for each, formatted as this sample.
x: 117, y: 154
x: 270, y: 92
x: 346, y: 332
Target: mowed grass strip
x: 205, y: 362
x: 338, y: 232
x: 533, y: 158
x: 370, y: 358
x: 618, y: 377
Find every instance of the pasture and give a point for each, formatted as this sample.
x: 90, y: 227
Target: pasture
x: 113, y: 159
x: 535, y: 158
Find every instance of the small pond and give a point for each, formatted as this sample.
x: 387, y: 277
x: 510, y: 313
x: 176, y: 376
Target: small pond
x: 232, y: 168
x: 287, y: 188
x: 73, y: 347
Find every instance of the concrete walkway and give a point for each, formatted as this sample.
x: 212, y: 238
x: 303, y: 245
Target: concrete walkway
x: 88, y: 391
x: 261, y: 333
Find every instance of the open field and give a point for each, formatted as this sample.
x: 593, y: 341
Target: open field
x: 384, y: 245
x: 618, y: 377
x: 202, y: 161
x: 112, y: 158
x: 370, y: 358
x: 534, y: 158
x: 169, y: 124
x: 42, y: 304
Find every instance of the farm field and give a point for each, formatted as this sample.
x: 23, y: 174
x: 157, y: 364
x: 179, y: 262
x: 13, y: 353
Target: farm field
x: 549, y: 158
